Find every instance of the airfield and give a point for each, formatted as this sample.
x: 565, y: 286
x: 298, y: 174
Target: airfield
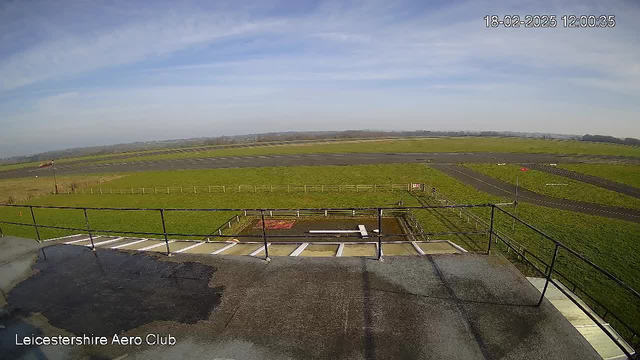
x: 305, y: 274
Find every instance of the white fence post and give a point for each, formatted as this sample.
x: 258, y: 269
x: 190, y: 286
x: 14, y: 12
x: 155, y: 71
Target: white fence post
x: 142, y: 191
x: 224, y: 189
x: 100, y: 191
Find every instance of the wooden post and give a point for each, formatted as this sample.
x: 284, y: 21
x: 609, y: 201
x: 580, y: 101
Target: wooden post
x: 142, y: 191
x: 100, y: 191
x: 224, y: 189
x: 194, y: 190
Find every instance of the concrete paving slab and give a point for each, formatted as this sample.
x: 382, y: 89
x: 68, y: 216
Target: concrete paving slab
x: 319, y: 250
x: 399, y: 249
x: 281, y: 249
x: 359, y: 250
x: 241, y: 249
x: 438, y: 248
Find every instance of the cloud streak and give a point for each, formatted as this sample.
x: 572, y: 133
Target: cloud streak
x: 95, y: 66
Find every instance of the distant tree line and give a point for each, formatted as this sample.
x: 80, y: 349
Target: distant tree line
x: 611, y: 139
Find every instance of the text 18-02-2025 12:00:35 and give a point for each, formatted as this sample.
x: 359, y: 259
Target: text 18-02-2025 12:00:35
x: 550, y: 21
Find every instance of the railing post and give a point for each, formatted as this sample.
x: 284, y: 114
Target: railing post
x: 546, y: 284
x: 379, y: 234
x: 86, y: 220
x: 264, y: 237
x: 35, y: 225
x: 493, y: 211
x: 164, y: 230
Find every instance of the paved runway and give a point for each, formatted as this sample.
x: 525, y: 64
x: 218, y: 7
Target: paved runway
x: 304, y: 159
x: 500, y: 188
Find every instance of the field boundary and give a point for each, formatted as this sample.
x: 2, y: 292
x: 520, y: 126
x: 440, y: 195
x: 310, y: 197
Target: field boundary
x: 199, y: 189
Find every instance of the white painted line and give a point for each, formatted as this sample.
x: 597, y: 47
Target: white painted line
x: 105, y: 242
x: 224, y: 249
x: 340, y: 249
x: 127, y: 244
x: 189, y: 247
x: 260, y: 249
x: 62, y: 237
x: 77, y: 241
x: 299, y: 249
x: 363, y: 231
x: 334, y: 231
x: 156, y: 245
x: 457, y: 246
x: 418, y: 249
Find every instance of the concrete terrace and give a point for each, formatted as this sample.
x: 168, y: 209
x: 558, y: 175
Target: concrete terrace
x: 450, y: 306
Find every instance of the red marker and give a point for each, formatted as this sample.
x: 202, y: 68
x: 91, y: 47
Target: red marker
x: 524, y: 169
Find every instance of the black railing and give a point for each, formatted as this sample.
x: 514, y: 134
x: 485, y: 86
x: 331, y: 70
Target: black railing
x: 548, y: 271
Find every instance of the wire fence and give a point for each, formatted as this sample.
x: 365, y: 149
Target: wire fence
x: 246, y: 189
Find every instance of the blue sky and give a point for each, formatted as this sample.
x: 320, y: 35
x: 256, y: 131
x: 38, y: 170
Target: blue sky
x: 82, y: 73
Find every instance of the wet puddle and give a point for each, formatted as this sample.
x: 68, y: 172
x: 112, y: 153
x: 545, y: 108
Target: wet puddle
x: 107, y: 292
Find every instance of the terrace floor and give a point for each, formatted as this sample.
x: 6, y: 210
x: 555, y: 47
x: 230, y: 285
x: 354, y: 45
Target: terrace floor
x: 450, y: 306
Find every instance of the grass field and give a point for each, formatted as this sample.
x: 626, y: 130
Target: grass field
x: 622, y: 173
x: 16, y: 190
x: 499, y: 145
x: 537, y: 181
x: 610, y: 243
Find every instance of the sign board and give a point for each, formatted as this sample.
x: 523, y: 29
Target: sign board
x: 416, y: 186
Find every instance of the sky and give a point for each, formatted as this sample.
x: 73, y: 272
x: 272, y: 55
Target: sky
x: 85, y: 73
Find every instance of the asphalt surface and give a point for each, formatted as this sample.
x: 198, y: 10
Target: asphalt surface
x: 497, y: 187
x: 430, y: 307
x: 304, y: 159
x: 589, y: 179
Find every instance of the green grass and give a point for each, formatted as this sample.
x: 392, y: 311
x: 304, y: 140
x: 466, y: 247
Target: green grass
x: 537, y: 181
x: 610, y: 243
x: 622, y: 173
x: 499, y: 145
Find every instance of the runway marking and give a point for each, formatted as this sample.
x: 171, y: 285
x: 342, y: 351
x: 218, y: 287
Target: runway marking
x: 340, y: 250
x: 190, y: 247
x: 260, y: 249
x: 105, y: 242
x: 299, y: 249
x: 77, y: 241
x: 224, y: 249
x: 156, y: 245
x: 62, y: 237
x: 127, y: 244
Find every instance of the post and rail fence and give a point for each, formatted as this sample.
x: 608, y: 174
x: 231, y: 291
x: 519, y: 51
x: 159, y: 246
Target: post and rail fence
x: 493, y: 236
x: 200, y: 189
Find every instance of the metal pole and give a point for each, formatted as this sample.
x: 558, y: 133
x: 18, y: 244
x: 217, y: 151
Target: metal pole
x: 493, y: 210
x: 55, y: 181
x: 553, y: 263
x: 515, y: 204
x: 35, y: 225
x: 86, y: 219
x: 264, y: 237
x: 164, y: 230
x: 379, y: 234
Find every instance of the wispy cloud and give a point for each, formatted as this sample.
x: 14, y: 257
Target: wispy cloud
x: 94, y: 66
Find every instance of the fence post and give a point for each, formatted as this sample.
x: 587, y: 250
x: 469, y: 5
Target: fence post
x: 194, y: 190
x: 546, y: 284
x: 305, y: 188
x: 132, y: 191
x: 35, y: 225
x: 100, y: 191
x: 91, y: 191
x: 180, y: 189
x: 224, y: 189
x: 142, y: 191
x: 164, y: 230
x: 379, y: 234
x: 209, y: 188
x: 111, y: 189
x: 493, y: 209
x: 264, y: 237
x: 86, y: 219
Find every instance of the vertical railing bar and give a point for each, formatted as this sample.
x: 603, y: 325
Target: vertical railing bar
x: 35, y: 224
x: 86, y: 219
x: 493, y: 210
x: 264, y: 237
x: 379, y: 234
x: 164, y: 230
x: 546, y: 284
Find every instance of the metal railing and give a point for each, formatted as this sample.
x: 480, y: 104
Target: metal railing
x: 493, y: 236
